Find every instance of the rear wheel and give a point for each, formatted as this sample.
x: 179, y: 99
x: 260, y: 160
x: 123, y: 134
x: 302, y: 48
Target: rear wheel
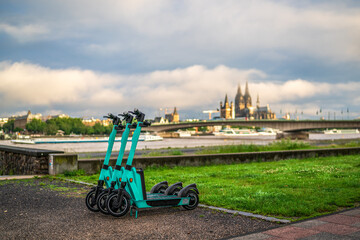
x: 113, y: 205
x: 175, y: 191
x: 159, y: 188
x: 101, y: 202
x: 194, y: 200
x: 90, y: 201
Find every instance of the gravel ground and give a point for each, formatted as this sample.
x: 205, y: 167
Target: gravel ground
x: 51, y: 209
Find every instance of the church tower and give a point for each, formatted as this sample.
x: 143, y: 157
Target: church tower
x: 239, y: 102
x: 258, y: 101
x: 247, y: 97
x: 226, y: 110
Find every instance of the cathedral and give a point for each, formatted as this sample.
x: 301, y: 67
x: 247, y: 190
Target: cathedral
x: 243, y: 107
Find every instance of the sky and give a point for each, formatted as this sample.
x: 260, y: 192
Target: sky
x: 88, y: 58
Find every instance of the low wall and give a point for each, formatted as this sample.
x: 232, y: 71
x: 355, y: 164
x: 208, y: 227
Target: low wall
x: 94, y: 165
x: 24, y: 161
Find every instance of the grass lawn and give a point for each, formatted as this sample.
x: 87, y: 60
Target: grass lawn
x: 292, y: 189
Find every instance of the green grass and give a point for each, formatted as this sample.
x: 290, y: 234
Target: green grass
x: 283, y: 144
x: 158, y: 153
x: 293, y: 189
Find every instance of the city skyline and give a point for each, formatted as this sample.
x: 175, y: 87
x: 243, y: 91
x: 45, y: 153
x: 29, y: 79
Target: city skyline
x: 87, y: 59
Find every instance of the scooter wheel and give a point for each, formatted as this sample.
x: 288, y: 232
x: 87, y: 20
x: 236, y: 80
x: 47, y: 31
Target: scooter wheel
x: 161, y: 189
x: 194, y: 200
x: 101, y: 202
x: 118, y: 211
x: 90, y: 201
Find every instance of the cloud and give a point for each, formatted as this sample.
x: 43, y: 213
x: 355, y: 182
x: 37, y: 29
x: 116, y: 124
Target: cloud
x: 25, y: 85
x: 194, y: 30
x: 26, y: 32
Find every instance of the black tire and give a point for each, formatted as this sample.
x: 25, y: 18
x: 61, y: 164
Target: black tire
x: 175, y: 191
x: 122, y: 210
x: 194, y: 200
x: 90, y: 201
x: 101, y: 202
x: 161, y: 189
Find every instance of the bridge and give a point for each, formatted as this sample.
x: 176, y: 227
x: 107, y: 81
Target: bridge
x: 283, y: 125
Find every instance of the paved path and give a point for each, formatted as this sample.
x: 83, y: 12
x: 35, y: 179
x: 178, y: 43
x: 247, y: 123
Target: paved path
x: 344, y: 225
x: 45, y: 209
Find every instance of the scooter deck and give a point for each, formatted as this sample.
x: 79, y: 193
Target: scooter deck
x: 160, y: 196
x: 162, y: 200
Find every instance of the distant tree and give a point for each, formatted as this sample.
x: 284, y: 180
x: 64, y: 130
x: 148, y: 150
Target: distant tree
x: 51, y: 128
x: 9, y: 126
x: 78, y: 126
x: 108, y: 129
x: 17, y: 129
x: 99, y: 128
x: 36, y: 126
x: 89, y: 130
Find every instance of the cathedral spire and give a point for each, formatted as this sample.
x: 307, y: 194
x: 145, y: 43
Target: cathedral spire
x: 239, y: 90
x: 258, y: 101
x: 226, y: 99
x: 247, y: 89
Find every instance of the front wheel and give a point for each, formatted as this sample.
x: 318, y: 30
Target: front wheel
x: 90, y: 201
x: 194, y: 200
x: 113, y: 205
x: 101, y: 202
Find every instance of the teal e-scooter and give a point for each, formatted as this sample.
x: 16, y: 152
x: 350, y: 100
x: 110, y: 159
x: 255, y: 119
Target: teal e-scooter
x: 132, y: 192
x: 118, y: 170
x: 106, y: 170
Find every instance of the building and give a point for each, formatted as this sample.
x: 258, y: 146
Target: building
x: 243, y: 107
x: 3, y: 121
x: 173, y: 117
x: 92, y: 121
x: 21, y: 121
x: 227, y: 110
x: 161, y: 120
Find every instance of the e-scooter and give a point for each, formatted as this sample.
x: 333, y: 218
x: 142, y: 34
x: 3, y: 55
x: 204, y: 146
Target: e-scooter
x: 116, y: 176
x: 132, y: 192
x: 106, y: 170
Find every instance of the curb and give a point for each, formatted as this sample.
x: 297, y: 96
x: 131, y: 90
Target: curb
x: 19, y: 177
x: 246, y: 214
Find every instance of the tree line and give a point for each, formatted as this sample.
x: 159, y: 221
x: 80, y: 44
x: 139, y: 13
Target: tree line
x: 67, y: 125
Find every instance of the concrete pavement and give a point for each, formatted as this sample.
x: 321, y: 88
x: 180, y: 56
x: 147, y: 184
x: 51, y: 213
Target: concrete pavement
x: 344, y: 225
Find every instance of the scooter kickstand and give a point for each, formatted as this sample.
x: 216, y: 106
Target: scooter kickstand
x: 136, y: 211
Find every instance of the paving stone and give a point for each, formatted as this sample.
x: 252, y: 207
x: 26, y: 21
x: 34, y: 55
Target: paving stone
x: 291, y: 232
x: 355, y: 235
x: 352, y: 212
x: 336, y: 228
x: 326, y: 236
x: 254, y: 236
x: 341, y: 219
x: 356, y: 225
x: 309, y: 224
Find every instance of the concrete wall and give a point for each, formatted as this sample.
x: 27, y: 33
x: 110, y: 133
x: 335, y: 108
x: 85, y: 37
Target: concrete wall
x: 94, y: 165
x: 58, y: 163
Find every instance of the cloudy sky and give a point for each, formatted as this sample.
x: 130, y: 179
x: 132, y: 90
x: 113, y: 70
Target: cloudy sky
x: 87, y: 58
